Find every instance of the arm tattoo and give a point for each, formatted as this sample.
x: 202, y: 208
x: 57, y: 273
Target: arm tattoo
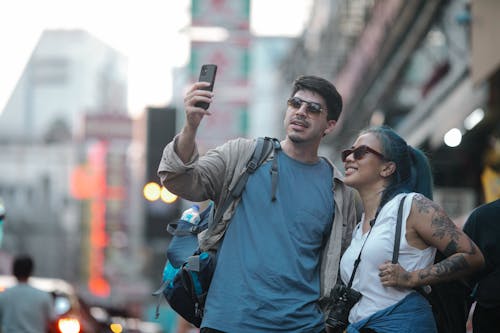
x: 450, y: 249
x: 448, y: 268
x: 444, y: 228
x: 406, y: 276
x: 473, y: 248
x: 451, y: 265
x: 424, y: 205
x: 440, y: 223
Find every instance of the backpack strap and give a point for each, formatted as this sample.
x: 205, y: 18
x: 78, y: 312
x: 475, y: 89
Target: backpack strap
x: 397, y: 240
x: 274, y: 169
x: 263, y: 148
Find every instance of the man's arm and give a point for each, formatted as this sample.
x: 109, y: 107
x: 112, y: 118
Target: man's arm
x: 186, y: 138
x: 353, y: 203
x: 176, y: 170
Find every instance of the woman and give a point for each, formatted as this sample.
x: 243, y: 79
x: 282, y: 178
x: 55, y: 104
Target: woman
x: 384, y: 169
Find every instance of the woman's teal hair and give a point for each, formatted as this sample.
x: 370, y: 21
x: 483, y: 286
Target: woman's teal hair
x: 413, y: 172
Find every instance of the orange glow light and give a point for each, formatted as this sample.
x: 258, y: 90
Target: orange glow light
x: 99, y: 286
x: 116, y: 328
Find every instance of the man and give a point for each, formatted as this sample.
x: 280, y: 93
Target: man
x: 24, y: 308
x: 483, y: 227
x: 280, y: 253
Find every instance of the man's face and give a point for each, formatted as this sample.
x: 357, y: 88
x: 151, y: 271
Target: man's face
x: 303, y: 122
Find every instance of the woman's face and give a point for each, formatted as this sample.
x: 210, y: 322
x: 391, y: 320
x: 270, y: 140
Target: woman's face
x: 364, y: 162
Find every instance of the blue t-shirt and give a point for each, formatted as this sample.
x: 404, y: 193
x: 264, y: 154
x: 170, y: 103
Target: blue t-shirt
x: 267, y: 277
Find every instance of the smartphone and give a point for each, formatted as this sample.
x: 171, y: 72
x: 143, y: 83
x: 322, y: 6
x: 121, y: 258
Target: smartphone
x: 207, y: 74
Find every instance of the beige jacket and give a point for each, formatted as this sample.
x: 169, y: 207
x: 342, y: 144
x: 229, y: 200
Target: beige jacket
x: 209, y: 177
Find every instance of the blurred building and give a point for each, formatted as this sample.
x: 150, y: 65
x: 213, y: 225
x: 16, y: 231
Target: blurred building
x: 266, y: 105
x: 42, y: 218
x: 428, y: 69
x: 65, y: 175
x: 70, y: 73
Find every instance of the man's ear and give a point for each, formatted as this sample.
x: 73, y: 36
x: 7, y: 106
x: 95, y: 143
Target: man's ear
x: 388, y: 169
x: 331, y: 126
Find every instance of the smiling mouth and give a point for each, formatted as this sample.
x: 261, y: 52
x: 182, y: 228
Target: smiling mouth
x: 350, y: 170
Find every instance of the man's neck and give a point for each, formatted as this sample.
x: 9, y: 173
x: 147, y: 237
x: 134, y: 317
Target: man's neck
x: 303, y: 152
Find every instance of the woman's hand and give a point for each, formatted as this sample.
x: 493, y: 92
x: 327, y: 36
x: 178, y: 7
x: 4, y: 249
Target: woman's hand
x: 393, y: 275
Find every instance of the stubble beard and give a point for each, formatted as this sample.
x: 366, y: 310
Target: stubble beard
x: 296, y: 138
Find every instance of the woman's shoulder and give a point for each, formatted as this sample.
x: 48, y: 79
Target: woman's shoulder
x: 410, y: 200
x: 390, y: 209
x: 394, y: 202
x: 424, y: 209
x: 424, y: 204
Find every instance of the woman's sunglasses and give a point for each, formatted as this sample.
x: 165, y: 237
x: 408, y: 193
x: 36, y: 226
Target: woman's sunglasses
x: 360, y: 152
x: 312, y: 107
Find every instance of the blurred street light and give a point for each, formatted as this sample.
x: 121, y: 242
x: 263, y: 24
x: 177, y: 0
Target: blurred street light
x: 474, y: 118
x: 453, y: 137
x: 167, y: 196
x: 152, y: 191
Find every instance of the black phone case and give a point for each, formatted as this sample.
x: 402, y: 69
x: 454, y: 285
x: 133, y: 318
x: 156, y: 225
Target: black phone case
x: 207, y: 74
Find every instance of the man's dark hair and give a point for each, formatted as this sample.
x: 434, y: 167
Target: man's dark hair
x: 22, y: 267
x: 324, y: 88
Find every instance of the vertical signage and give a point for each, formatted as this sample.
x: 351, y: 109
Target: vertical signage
x: 232, y: 56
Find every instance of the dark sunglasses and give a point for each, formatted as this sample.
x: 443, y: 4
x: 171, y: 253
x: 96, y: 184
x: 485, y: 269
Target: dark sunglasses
x: 360, y: 152
x: 312, y: 107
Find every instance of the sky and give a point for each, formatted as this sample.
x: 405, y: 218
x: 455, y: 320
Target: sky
x: 146, y: 32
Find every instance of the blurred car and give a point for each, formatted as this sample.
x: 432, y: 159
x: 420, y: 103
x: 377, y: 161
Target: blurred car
x: 134, y: 325
x: 71, y: 315
x: 119, y: 321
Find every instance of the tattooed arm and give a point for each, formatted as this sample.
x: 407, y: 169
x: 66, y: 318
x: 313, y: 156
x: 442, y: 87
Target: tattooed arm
x: 428, y: 225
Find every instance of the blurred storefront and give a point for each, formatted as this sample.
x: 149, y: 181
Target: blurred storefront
x: 430, y: 70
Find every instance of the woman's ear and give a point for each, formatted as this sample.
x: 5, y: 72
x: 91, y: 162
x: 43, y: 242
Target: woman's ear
x: 388, y: 169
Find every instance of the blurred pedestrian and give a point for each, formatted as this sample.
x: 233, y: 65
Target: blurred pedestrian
x: 280, y: 252
x: 24, y: 308
x: 483, y: 227
x: 384, y: 170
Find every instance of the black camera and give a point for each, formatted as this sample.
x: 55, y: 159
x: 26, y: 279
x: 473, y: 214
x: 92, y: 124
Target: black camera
x: 340, y: 303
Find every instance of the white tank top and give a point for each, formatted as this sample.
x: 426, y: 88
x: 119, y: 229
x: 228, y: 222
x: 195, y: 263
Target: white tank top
x: 378, y: 249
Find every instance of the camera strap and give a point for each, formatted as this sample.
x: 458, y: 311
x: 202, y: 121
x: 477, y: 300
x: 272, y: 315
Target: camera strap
x: 397, y: 241
x: 397, y: 238
x: 358, y: 260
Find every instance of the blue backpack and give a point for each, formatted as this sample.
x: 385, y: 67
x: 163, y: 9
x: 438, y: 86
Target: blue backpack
x: 188, y: 271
